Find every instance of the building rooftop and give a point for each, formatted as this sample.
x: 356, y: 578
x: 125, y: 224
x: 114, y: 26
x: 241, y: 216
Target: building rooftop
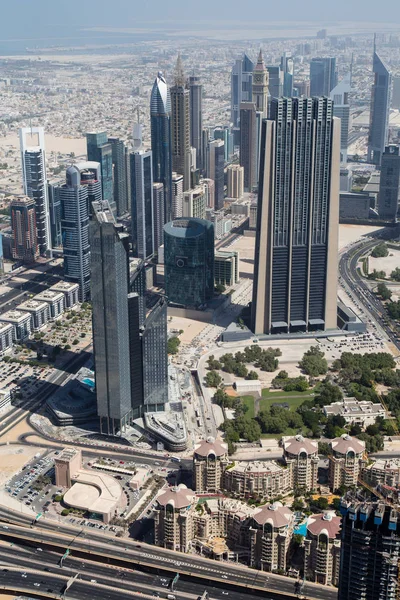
x: 64, y: 286
x: 327, y: 523
x: 385, y: 464
x: 32, y: 305
x: 178, y: 496
x: 211, y: 447
x: 352, y: 407
x: 345, y: 444
x: 5, y: 326
x: 187, y: 227
x: 14, y: 316
x: 95, y: 492
x: 267, y: 466
x: 298, y: 444
x: 49, y: 295
x: 276, y: 514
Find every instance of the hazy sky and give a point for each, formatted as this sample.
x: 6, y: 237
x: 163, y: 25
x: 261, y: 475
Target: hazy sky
x: 22, y: 18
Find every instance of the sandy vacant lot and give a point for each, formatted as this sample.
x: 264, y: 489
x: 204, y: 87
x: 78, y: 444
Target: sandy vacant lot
x: 190, y: 328
x: 13, y: 458
x: 245, y: 246
x: 53, y: 144
x: 387, y: 263
x: 352, y: 233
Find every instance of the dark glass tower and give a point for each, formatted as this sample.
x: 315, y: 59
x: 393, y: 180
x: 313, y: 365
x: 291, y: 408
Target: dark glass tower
x: 55, y: 216
x: 369, y: 557
x: 189, y: 261
x: 180, y: 125
x: 196, y: 118
x: 323, y: 76
x: 241, y: 86
x: 248, y: 144
x: 99, y: 150
x: 160, y: 116
x: 142, y: 204
x: 379, y: 112
x: 389, y: 187
x: 121, y: 196
x: 109, y: 293
x: 82, y: 187
x: 295, y: 274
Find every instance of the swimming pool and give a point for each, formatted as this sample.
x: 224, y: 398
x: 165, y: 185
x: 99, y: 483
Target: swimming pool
x: 301, y: 529
x: 89, y: 382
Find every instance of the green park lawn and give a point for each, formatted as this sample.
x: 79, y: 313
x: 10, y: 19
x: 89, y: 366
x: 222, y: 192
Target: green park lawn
x: 293, y: 399
x: 248, y: 401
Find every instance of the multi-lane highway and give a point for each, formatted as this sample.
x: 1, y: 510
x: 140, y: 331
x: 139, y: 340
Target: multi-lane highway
x: 127, y: 553
x: 360, y: 291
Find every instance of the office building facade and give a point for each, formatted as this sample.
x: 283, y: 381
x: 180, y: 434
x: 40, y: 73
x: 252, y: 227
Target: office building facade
x: 287, y: 67
x: 100, y: 150
x: 189, y: 261
x: 161, y: 147
x: 55, y: 215
x: 370, y: 545
x: 194, y: 203
x: 275, y: 81
x: 323, y: 76
x: 235, y: 181
x: 295, y: 275
x: 260, y: 86
x: 379, y: 111
x: 241, y: 86
x: 341, y: 110
x: 82, y: 188
x: 109, y: 294
x: 180, y: 125
x: 33, y: 159
x: 196, y: 118
x: 119, y: 153
x: 215, y: 171
x: 248, y: 145
x: 142, y: 223
x: 389, y: 186
x: 158, y: 215
x: 177, y: 195
x: 154, y: 340
x: 24, y: 231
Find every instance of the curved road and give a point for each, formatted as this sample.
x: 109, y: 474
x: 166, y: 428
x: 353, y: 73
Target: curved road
x: 370, y: 305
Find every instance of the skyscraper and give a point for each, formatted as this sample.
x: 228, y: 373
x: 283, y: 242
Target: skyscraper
x: 370, y: 546
x: 260, y: 86
x: 111, y: 335
x: 295, y: 274
x: 158, y: 215
x: 241, y: 86
x: 379, y: 112
x: 141, y: 171
x: 100, y: 150
x: 248, y: 144
x: 235, y: 181
x: 33, y: 158
x: 215, y: 170
x: 154, y: 339
x: 275, y: 81
x: 389, y: 187
x: 189, y: 261
x: 160, y: 118
x: 24, y: 230
x: 82, y: 187
x: 55, y: 215
x: 196, y: 118
x: 341, y: 109
x: 120, y: 193
x: 287, y: 66
x: 323, y: 76
x: 177, y: 195
x: 180, y: 125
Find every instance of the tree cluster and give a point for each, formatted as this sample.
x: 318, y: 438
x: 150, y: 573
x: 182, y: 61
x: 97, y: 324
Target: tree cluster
x: 314, y: 362
x: 380, y: 251
x: 377, y: 275
x: 173, y: 345
x: 290, y: 384
x: 266, y: 360
x: 277, y: 419
x: 395, y: 274
x: 383, y: 291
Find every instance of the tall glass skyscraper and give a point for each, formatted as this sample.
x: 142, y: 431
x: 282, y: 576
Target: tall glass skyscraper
x: 248, y: 144
x: 33, y: 158
x: 341, y: 109
x: 389, y: 187
x: 180, y: 125
x: 296, y: 254
x: 111, y: 339
x: 24, y: 229
x: 100, y: 150
x: 55, y: 215
x: 160, y: 118
x: 189, y: 261
x: 196, y: 118
x: 82, y: 187
x: 241, y: 86
x: 142, y: 204
x: 323, y: 76
x: 287, y: 66
x: 119, y: 161
x: 379, y: 112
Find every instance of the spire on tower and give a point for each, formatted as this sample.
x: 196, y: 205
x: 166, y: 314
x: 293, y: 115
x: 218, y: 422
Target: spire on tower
x: 260, y: 57
x: 180, y: 79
